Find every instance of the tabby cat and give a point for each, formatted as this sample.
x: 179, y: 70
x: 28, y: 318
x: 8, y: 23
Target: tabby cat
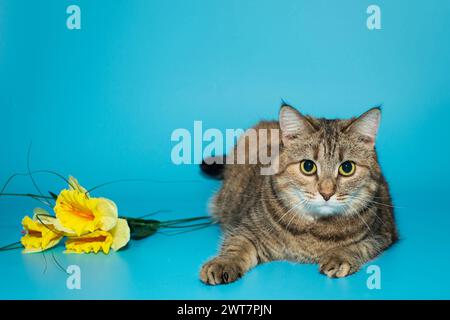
x: 328, y: 203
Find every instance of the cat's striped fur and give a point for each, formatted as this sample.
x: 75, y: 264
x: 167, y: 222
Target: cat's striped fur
x: 272, y: 217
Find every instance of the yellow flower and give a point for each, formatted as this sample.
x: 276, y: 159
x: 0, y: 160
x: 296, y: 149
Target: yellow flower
x: 40, y: 233
x: 98, y: 240
x: 80, y: 214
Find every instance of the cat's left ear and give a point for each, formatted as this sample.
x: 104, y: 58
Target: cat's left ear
x: 366, y: 125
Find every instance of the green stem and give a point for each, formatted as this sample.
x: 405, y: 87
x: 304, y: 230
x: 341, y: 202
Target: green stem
x: 8, y: 247
x: 189, y: 225
x: 26, y: 195
x: 140, y: 220
x: 166, y: 224
x: 14, y: 248
x: 178, y: 221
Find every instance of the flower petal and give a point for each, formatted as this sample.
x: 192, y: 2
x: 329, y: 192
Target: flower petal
x: 74, y: 185
x: 39, y: 236
x: 66, y: 231
x: 91, y: 242
x: 43, y: 216
x: 51, y: 244
x: 121, y: 234
x: 80, y: 214
x: 107, y: 213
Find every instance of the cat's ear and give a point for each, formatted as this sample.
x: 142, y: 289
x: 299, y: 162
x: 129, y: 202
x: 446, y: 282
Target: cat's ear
x: 366, y: 125
x: 293, y: 123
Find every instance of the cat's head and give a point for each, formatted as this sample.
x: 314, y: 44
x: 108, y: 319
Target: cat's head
x: 328, y: 167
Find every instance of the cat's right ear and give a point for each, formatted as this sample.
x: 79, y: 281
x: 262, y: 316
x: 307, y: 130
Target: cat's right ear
x: 366, y: 125
x: 293, y: 124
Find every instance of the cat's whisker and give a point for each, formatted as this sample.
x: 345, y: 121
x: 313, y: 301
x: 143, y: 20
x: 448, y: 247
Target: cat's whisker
x: 366, y: 206
x: 374, y: 202
x: 346, y: 211
x: 294, y: 215
x: 292, y: 208
x: 271, y: 227
x: 257, y: 196
x: 364, y: 221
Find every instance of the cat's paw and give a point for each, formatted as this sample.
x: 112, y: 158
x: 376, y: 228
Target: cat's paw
x: 220, y: 271
x: 335, y: 266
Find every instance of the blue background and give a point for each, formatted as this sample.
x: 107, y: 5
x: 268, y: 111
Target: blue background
x: 101, y: 103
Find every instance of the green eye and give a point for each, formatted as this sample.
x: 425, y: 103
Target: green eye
x: 308, y: 167
x: 347, y: 168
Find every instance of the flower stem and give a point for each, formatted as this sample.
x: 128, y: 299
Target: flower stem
x: 181, y: 221
x: 10, y: 246
x: 188, y: 226
x: 26, y: 195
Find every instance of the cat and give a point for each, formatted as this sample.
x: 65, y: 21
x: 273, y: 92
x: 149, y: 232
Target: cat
x: 328, y: 204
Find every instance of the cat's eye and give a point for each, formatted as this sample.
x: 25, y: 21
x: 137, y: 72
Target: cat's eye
x: 347, y: 168
x: 308, y: 167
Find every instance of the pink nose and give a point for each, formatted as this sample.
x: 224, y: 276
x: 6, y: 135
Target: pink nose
x: 327, y: 188
x: 326, y: 195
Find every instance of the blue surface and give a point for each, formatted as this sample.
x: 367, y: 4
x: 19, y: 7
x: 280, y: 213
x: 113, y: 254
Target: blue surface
x: 101, y: 103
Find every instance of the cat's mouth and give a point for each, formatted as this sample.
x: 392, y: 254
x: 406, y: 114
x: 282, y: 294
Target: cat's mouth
x: 325, y: 209
x: 328, y: 209
x: 317, y: 206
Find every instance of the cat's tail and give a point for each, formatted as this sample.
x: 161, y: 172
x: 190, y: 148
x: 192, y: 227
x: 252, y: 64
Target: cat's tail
x: 213, y: 167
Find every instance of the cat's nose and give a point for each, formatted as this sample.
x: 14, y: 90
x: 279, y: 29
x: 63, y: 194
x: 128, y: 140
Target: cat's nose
x: 326, y: 195
x: 327, y: 188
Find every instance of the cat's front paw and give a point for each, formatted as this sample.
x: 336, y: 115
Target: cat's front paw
x: 220, y: 271
x: 336, y: 266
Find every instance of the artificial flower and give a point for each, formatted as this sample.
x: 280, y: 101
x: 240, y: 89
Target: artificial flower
x: 40, y: 233
x: 79, y: 213
x: 98, y: 240
x: 90, y: 224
